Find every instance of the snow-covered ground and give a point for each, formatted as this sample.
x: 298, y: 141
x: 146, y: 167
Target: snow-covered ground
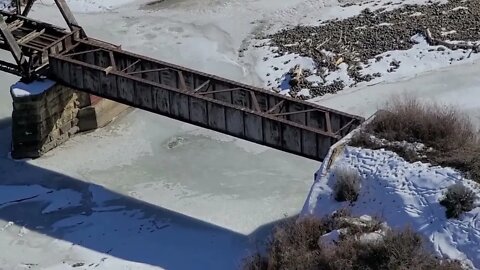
x: 154, y: 193
x: 421, y: 58
x: 404, y: 194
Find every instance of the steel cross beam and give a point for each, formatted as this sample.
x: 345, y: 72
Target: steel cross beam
x: 30, y: 41
x: 67, y: 14
x: 13, y: 46
x: 27, y: 8
x: 62, y: 7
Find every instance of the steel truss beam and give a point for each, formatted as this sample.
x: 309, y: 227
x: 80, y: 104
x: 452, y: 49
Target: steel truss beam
x: 13, y: 46
x: 233, y: 108
x: 31, y: 41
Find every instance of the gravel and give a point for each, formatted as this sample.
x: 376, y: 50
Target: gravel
x: 363, y: 37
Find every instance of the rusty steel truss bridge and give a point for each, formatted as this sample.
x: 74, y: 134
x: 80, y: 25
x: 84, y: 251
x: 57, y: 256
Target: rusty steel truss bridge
x: 72, y: 58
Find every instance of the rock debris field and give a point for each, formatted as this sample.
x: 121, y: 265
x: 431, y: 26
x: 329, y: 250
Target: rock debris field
x: 359, y: 41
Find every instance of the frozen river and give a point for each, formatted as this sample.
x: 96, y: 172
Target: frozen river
x: 148, y: 191
x: 218, y: 195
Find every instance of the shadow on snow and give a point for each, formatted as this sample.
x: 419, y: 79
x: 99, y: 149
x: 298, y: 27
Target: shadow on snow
x: 91, y: 216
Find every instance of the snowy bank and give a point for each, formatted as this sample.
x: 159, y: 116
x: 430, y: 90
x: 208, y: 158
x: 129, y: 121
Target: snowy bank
x: 404, y: 194
x: 420, y: 59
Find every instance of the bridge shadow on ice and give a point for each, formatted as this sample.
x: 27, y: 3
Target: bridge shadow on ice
x: 87, y: 215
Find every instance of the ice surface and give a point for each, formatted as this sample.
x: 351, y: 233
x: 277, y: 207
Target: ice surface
x: 144, y: 191
x: 456, y: 85
x: 91, y: 6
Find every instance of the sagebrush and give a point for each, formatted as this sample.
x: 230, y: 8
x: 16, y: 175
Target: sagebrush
x: 347, y: 184
x: 439, y: 126
x: 296, y: 246
x: 457, y: 200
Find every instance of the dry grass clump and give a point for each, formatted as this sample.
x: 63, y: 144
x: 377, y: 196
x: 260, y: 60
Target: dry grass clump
x: 453, y: 140
x: 442, y: 127
x: 458, y: 200
x: 347, y: 184
x: 399, y: 250
x: 296, y: 245
x: 465, y: 159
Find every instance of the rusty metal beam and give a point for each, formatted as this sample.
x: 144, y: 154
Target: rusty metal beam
x: 83, y: 52
x: 349, y: 124
x: 18, y: 6
x: 32, y: 22
x: 329, y: 122
x: 276, y: 106
x: 221, y: 91
x: 146, y: 71
x: 15, y: 25
x: 112, y: 60
x: 207, y: 83
x: 181, y: 81
x: 256, y: 106
x: 131, y: 65
x: 30, y: 36
x: 67, y: 14
x: 10, y: 68
x: 13, y: 45
x: 295, y: 112
x: 183, y: 94
x: 27, y: 8
x: 30, y: 41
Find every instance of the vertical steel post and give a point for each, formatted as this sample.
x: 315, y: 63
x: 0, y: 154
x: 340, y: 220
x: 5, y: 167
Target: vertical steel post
x: 27, y: 8
x: 67, y: 14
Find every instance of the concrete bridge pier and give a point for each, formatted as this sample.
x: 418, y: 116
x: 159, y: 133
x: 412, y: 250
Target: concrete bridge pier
x: 46, y: 114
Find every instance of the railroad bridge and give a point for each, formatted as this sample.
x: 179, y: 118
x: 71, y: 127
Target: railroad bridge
x: 70, y: 57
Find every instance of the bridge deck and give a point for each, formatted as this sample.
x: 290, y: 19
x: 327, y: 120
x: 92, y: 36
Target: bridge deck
x: 230, y: 107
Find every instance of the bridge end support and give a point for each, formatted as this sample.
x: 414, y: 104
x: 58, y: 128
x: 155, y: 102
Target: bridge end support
x: 46, y: 114
x: 99, y: 113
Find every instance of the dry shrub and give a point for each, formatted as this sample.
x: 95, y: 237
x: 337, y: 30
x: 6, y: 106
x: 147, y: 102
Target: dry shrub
x: 445, y: 129
x: 347, y: 184
x: 399, y: 250
x: 362, y: 139
x: 466, y: 159
x: 295, y: 246
x: 458, y: 199
x: 406, y: 119
x: 256, y: 262
x: 294, y: 243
